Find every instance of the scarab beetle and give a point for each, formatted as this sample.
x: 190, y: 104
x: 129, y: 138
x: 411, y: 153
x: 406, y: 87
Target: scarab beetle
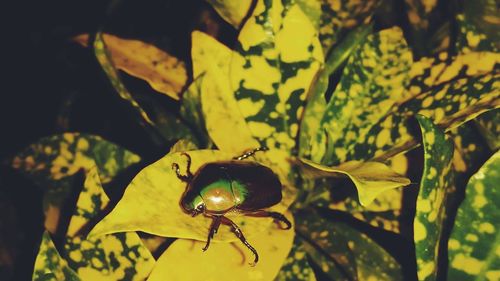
x: 244, y: 187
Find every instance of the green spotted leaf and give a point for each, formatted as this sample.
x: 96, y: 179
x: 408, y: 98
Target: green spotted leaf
x: 120, y: 256
x: 475, y: 242
x: 316, y: 102
x: 449, y: 91
x: 370, y: 178
x: 372, y: 82
x: 333, y: 19
x: 49, y: 265
x: 424, y: 18
x: 232, y: 11
x: 483, y: 14
x: 436, y: 183
x: 276, y: 60
x: 354, y: 255
x: 54, y: 163
x: 296, y: 266
x: 471, y: 39
x: 143, y: 119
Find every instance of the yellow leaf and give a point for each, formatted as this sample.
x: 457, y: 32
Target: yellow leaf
x: 225, y: 261
x: 164, y: 73
x: 224, y: 122
x: 151, y: 203
x: 370, y: 178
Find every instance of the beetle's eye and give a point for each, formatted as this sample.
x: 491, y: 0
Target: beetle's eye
x: 200, y: 208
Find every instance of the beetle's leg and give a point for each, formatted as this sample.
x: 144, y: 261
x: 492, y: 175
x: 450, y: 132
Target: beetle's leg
x: 213, y: 229
x: 278, y: 217
x: 250, y: 153
x: 237, y: 231
x: 177, y: 170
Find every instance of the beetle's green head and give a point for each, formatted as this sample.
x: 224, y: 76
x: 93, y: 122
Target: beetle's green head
x: 193, y: 206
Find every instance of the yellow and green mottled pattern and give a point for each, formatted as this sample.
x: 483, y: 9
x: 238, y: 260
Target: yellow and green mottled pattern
x: 471, y: 39
x: 277, y: 58
x: 436, y: 182
x: 489, y: 125
x: 120, y: 256
x: 54, y: 163
x: 232, y: 11
x: 336, y: 17
x: 372, y: 82
x: 454, y: 93
x: 49, y: 266
x: 474, y: 245
x: 296, y: 266
x: 334, y: 243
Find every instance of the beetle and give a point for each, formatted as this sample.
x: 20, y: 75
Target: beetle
x: 244, y: 187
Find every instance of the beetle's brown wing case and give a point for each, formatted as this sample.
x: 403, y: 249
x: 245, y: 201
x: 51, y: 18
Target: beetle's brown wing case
x: 262, y: 184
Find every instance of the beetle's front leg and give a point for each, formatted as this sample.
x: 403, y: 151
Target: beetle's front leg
x: 278, y: 217
x: 189, y: 176
x: 250, y: 153
x: 237, y: 231
x: 213, y: 229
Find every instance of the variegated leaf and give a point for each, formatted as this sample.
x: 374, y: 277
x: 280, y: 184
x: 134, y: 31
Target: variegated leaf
x: 471, y: 39
x: 277, y: 58
x: 474, y: 244
x: 120, y: 256
x: 358, y: 255
x: 450, y: 93
x: 164, y: 72
x: 436, y: 183
x: 54, y: 162
x: 296, y: 266
x: 334, y: 19
x: 489, y: 126
x: 49, y: 265
x: 372, y: 83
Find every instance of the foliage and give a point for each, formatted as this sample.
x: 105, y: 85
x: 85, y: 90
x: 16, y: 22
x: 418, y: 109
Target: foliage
x: 350, y: 114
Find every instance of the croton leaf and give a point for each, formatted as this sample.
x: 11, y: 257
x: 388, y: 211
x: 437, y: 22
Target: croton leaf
x: 120, y: 256
x: 151, y: 203
x: 431, y: 202
x: 471, y: 39
x: 104, y: 58
x: 372, y: 82
x: 475, y: 242
x: 358, y: 256
x: 425, y: 19
x: 276, y: 60
x: 316, y: 101
x: 296, y: 266
x: 232, y: 11
x: 226, y: 261
x: 49, y: 265
x: 217, y: 99
x: 450, y: 91
x: 334, y: 18
x: 370, y: 178
x: 54, y: 162
x: 483, y: 14
x: 164, y: 72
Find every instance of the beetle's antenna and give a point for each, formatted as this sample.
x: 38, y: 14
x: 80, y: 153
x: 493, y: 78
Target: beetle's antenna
x: 251, y: 153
